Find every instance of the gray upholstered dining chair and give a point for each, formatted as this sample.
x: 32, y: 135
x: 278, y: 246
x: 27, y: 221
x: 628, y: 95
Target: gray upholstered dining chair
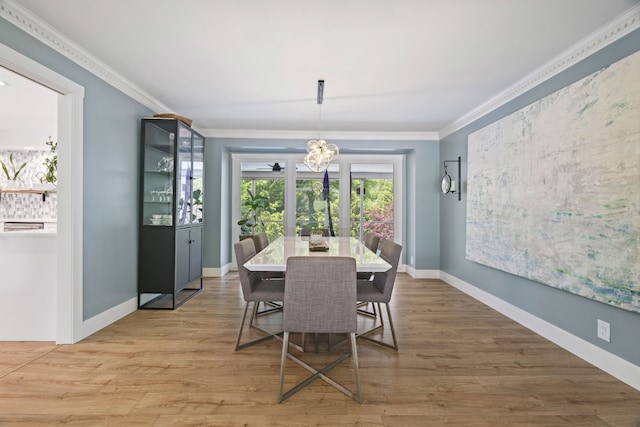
x: 254, y: 289
x: 305, y: 232
x: 261, y: 241
x: 320, y: 297
x: 379, y: 290
x: 371, y: 242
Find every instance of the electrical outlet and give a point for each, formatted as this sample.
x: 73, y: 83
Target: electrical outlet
x: 604, y: 330
x: 411, y: 259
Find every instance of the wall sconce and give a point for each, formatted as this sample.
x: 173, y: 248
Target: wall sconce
x: 448, y: 185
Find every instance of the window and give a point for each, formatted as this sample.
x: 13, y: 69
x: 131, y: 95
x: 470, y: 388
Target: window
x: 372, y: 200
x: 258, y: 179
x: 365, y: 194
x: 317, y: 206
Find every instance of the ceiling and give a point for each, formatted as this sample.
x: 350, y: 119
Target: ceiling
x: 28, y: 112
x: 25, y: 102
x: 388, y: 66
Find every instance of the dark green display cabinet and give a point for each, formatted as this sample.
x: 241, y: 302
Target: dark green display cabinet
x: 171, y: 214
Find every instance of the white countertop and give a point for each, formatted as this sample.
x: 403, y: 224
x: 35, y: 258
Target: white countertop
x: 45, y: 220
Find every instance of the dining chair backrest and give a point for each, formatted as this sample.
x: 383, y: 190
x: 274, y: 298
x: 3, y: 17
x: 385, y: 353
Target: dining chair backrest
x: 304, y: 232
x: 371, y: 241
x: 261, y: 241
x: 320, y: 295
x: 245, y: 250
x: 384, y: 281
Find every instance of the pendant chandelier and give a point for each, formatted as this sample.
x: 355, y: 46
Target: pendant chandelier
x: 319, y: 153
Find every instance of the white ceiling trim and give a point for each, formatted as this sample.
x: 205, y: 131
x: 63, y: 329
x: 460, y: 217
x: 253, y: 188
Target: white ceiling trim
x: 37, y: 28
x: 43, y: 32
x: 309, y: 134
x: 609, y: 33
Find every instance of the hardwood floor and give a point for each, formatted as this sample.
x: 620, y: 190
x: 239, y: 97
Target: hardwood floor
x: 460, y: 363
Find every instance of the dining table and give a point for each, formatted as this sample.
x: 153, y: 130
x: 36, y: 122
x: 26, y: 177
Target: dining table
x: 274, y: 256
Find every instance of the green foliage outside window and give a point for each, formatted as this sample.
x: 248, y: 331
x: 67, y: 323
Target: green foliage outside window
x: 269, y: 200
x: 377, y: 209
x: 311, y: 208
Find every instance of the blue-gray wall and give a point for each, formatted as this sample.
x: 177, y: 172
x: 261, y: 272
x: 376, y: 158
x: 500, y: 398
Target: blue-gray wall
x: 111, y: 141
x: 575, y: 314
x: 434, y: 225
x: 421, y: 216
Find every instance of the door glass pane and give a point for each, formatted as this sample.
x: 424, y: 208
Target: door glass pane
x: 198, y: 179
x: 158, y: 175
x: 371, y: 200
x: 318, y: 205
x: 263, y: 180
x: 183, y: 171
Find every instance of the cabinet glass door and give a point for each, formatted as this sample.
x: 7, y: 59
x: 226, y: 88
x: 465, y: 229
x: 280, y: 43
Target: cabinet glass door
x: 157, y: 177
x: 197, y: 182
x: 184, y: 172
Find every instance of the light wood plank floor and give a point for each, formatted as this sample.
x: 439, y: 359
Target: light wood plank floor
x: 460, y: 364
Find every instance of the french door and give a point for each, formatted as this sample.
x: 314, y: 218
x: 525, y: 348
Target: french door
x: 372, y: 200
x: 360, y: 194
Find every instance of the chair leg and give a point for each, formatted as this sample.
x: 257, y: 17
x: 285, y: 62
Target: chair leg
x: 269, y: 307
x: 269, y: 336
x: 283, y: 361
x: 393, y: 330
x: 356, y: 369
x: 244, y: 315
x: 254, y: 313
x: 363, y: 309
x: 321, y: 373
x: 364, y: 335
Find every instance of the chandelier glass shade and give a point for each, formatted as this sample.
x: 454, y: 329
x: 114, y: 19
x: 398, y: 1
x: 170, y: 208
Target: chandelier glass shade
x: 320, y: 155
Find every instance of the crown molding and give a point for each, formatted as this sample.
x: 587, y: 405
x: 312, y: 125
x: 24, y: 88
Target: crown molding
x: 40, y: 30
x: 43, y: 32
x: 604, y: 36
x: 307, y: 134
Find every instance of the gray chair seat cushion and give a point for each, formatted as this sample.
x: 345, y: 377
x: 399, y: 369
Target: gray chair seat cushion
x: 268, y: 290
x: 368, y: 291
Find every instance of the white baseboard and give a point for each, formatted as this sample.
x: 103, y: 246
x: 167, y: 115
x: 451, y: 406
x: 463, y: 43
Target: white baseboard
x: 106, y: 318
x: 422, y: 274
x: 623, y: 370
x: 216, y: 272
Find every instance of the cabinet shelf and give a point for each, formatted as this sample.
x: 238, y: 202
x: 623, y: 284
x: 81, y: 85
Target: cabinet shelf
x: 162, y: 148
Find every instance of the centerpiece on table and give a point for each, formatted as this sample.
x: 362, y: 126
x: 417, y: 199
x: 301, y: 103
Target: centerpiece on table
x: 317, y: 242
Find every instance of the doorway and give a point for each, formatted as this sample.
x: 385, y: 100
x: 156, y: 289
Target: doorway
x: 69, y: 312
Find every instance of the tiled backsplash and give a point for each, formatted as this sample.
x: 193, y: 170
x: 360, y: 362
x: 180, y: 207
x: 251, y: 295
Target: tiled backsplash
x: 26, y: 205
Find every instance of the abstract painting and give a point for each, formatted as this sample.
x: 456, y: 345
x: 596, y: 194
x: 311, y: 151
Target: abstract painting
x: 554, y: 189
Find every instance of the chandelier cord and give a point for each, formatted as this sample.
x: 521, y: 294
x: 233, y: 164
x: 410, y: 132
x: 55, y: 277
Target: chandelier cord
x: 319, y: 121
x: 319, y: 153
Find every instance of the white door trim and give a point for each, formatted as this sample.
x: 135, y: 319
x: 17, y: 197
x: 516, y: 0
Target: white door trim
x: 69, y: 310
